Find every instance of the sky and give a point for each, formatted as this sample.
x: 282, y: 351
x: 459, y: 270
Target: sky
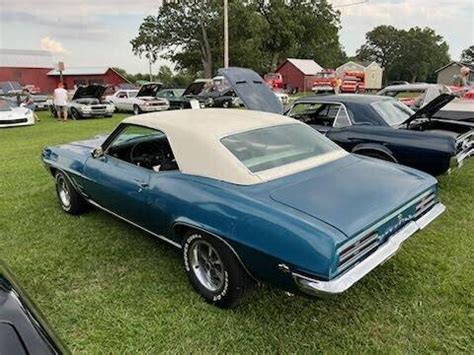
x: 98, y: 33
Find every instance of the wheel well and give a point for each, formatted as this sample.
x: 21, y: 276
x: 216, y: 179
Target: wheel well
x: 375, y: 153
x: 181, y: 229
x: 53, y: 171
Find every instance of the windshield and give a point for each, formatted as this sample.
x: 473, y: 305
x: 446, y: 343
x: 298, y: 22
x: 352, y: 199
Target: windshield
x: 393, y: 112
x: 272, y: 147
x: 6, y: 105
x: 132, y: 93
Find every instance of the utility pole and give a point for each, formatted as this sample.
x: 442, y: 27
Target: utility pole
x: 226, y: 34
x: 149, y: 65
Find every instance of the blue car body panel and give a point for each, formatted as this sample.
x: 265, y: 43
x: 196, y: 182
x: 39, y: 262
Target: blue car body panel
x: 300, y: 220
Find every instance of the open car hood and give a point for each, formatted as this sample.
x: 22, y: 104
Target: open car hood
x: 195, y: 88
x: 150, y: 89
x: 431, y: 108
x: 252, y: 90
x: 89, y: 92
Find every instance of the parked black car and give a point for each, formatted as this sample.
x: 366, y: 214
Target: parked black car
x: 225, y: 98
x: 371, y: 125
x: 23, y: 329
x: 188, y: 96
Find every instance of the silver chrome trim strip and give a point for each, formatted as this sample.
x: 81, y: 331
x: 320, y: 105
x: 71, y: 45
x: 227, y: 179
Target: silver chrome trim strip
x: 382, y: 254
x: 177, y: 245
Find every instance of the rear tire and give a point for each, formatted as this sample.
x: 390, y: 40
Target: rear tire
x: 69, y: 199
x: 214, y: 271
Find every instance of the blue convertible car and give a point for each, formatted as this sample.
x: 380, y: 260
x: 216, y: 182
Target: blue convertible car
x: 248, y: 196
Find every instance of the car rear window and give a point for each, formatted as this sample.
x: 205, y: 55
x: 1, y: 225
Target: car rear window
x: 271, y: 147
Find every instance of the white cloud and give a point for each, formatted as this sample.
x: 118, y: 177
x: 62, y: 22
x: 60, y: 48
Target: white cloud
x: 49, y: 44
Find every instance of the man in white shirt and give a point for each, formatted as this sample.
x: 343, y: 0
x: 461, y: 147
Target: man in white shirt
x: 60, y: 102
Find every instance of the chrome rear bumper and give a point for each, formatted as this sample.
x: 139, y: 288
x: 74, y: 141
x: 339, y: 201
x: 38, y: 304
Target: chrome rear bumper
x: 466, y: 143
x: 382, y: 254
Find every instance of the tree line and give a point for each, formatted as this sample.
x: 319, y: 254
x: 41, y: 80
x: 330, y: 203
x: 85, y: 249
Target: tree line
x: 262, y: 33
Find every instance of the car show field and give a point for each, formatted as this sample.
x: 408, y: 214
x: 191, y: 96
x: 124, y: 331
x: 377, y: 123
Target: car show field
x: 106, y: 286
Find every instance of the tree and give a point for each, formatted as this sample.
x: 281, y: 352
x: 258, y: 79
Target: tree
x: 412, y: 54
x: 262, y: 33
x: 467, y: 55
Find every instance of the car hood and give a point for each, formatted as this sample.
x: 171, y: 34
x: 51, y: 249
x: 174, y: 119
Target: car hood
x: 195, y: 88
x: 89, y: 92
x: 431, y: 108
x: 354, y: 194
x: 149, y: 90
x: 252, y: 90
x: 14, y: 113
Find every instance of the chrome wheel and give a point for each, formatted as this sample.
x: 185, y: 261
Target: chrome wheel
x: 206, y: 265
x: 136, y: 110
x: 63, y: 192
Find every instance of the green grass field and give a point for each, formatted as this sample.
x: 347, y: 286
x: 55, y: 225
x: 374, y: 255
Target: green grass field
x: 107, y: 287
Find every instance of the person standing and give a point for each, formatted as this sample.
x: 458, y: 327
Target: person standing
x: 60, y: 102
x: 29, y: 103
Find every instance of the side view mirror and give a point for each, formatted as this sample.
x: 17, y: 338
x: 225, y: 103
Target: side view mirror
x: 97, y: 153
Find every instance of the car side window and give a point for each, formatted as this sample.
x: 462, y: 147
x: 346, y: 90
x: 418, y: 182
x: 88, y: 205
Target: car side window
x: 342, y: 118
x: 144, y: 147
x: 122, y: 95
x: 320, y: 114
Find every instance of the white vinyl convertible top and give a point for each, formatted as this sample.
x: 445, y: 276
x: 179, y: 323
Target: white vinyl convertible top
x: 194, y: 136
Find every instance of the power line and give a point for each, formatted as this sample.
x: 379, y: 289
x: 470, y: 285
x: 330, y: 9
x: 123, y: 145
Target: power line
x: 351, y: 4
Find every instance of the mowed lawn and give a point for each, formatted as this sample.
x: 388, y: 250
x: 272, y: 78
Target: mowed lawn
x: 107, y: 287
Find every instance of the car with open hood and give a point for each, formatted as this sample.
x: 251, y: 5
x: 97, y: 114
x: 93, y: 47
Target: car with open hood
x: 371, y: 125
x: 191, y: 97
x: 12, y: 115
x: 23, y: 329
x: 247, y: 197
x: 87, y: 102
x: 140, y: 101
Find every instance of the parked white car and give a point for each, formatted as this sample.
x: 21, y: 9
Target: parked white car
x: 139, y: 101
x: 87, y: 102
x: 11, y: 115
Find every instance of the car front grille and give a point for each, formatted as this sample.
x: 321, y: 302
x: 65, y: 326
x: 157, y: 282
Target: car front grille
x: 18, y: 120
x: 98, y: 107
x: 362, y: 247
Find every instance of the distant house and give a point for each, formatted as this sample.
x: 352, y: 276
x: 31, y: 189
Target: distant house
x: 373, y: 73
x: 73, y: 77
x: 298, y: 73
x: 450, y: 73
x: 27, y: 67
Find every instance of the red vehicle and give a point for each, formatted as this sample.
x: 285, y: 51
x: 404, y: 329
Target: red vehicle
x: 274, y: 80
x: 32, y: 89
x: 353, y: 82
x: 325, y: 81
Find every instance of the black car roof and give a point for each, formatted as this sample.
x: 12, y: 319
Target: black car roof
x: 345, y: 98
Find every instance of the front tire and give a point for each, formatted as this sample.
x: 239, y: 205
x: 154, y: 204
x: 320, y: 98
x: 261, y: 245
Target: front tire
x: 75, y: 114
x: 136, y: 110
x: 214, y: 271
x: 69, y: 199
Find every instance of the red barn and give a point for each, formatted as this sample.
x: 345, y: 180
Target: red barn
x: 28, y: 67
x: 74, y: 77
x: 298, y: 73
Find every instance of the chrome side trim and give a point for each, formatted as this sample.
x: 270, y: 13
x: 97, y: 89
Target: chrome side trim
x: 177, y: 245
x: 382, y: 254
x: 221, y: 239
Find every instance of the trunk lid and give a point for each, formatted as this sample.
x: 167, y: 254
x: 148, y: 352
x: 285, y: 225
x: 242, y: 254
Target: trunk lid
x: 352, y: 199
